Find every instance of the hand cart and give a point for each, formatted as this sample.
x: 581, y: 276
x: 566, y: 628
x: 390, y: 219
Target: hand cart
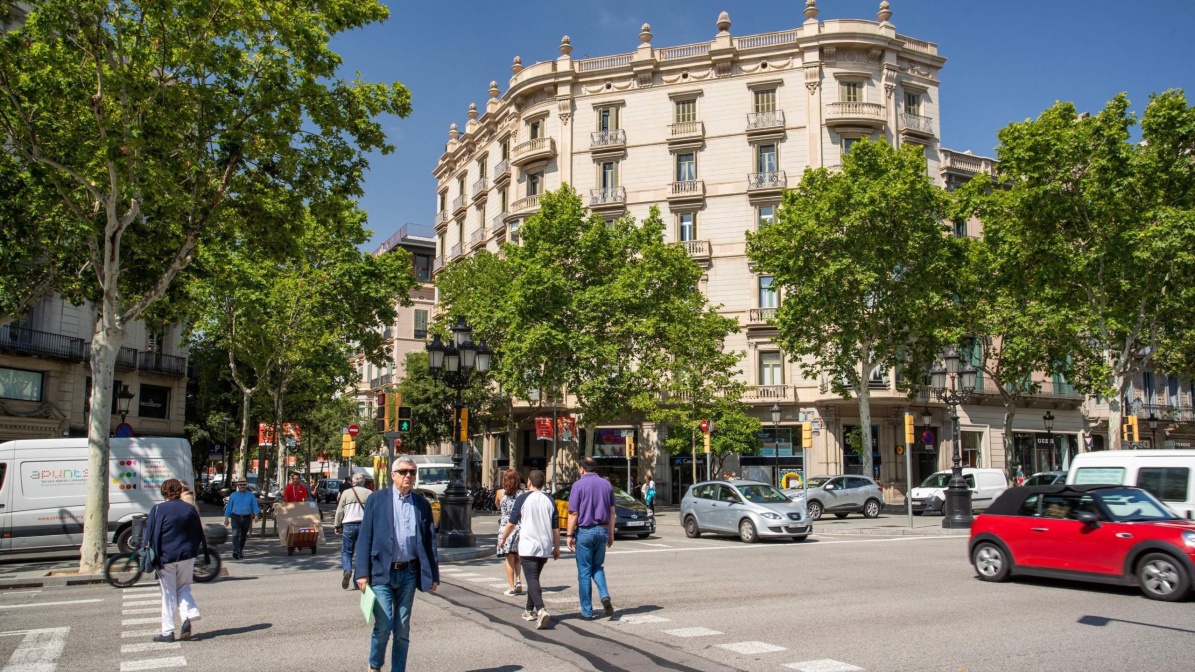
x: 300, y: 538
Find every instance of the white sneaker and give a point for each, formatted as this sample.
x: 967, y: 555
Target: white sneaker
x: 541, y: 621
x: 528, y: 615
x: 519, y: 588
x: 510, y: 592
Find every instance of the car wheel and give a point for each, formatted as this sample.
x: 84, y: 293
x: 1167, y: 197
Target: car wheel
x: 991, y: 562
x: 1162, y: 578
x: 918, y: 513
x: 871, y: 509
x: 123, y: 540
x: 691, y: 529
x: 815, y: 510
x: 840, y: 515
x: 747, y: 532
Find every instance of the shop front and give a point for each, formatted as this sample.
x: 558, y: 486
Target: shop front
x: 791, y: 469
x: 1034, y: 452
x: 683, y: 469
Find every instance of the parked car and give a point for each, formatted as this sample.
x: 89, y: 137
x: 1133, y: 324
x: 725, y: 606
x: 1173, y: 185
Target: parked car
x: 1046, y: 478
x: 985, y: 486
x: 750, y: 509
x: 1103, y: 533
x: 434, y: 500
x: 631, y: 515
x: 841, y: 495
x: 1168, y: 475
x: 327, y: 490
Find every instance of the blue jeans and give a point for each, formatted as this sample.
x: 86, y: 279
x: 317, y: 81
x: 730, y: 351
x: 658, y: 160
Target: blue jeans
x: 348, y: 541
x: 591, y: 553
x: 392, y: 614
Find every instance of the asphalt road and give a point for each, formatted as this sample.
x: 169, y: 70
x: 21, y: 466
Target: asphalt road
x: 833, y: 603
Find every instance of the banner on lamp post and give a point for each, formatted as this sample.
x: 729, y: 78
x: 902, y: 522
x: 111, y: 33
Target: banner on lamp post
x: 567, y: 428
x: 543, y: 427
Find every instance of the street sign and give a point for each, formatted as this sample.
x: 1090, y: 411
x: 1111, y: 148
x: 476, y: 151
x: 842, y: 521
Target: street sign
x: 354, y: 430
x: 705, y: 425
x: 123, y: 431
x: 900, y: 450
x: 1135, y: 445
x: 928, y: 438
x: 215, y: 451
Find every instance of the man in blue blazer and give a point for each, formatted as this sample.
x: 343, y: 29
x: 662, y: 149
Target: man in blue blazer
x: 396, y: 553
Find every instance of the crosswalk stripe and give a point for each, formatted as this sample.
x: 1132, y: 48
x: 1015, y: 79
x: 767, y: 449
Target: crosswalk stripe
x: 143, y: 603
x: 153, y: 664
x: 142, y: 610
x: 38, y: 651
x: 692, y: 632
x: 824, y: 665
x: 149, y: 646
x: 47, y: 604
x: 140, y: 621
x: 141, y: 633
x: 752, y: 648
x: 636, y: 619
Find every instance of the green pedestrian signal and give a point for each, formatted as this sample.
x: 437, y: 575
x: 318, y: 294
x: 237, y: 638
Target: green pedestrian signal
x: 404, y: 425
x: 404, y: 418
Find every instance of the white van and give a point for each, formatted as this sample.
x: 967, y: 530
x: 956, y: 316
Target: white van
x: 434, y: 472
x: 985, y: 485
x: 1168, y: 475
x: 43, y: 488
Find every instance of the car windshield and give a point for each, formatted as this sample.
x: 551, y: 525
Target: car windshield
x: 818, y: 481
x: 434, y: 474
x: 1133, y: 505
x: 940, y: 480
x: 762, y: 494
x: 621, y: 497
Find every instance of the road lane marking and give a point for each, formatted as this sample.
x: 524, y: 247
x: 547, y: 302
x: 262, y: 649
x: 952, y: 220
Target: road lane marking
x: 152, y: 664
x: 141, y: 633
x: 463, y: 575
x: 145, y: 603
x: 824, y: 665
x: 142, y: 610
x: 646, y: 543
x: 140, y: 621
x: 141, y: 589
x: 149, y: 646
x: 38, y: 651
x: 481, y: 579
x: 502, y: 585
x: 638, y: 619
x: 47, y: 604
x: 19, y: 592
x: 752, y: 648
x: 562, y: 600
x: 692, y: 632
x: 744, y: 547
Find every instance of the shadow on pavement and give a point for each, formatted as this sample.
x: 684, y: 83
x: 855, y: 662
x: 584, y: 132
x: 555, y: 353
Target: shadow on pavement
x: 633, y: 611
x: 504, y: 668
x: 1083, y: 586
x: 200, y: 636
x: 1101, y: 621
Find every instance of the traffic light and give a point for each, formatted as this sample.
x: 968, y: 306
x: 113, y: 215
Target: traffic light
x: 348, y: 447
x: 380, y: 412
x: 404, y: 419
x: 392, y: 417
x: 1130, y: 429
x: 806, y: 434
x: 631, y: 446
x: 910, y: 430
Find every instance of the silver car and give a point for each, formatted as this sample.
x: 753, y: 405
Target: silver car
x: 841, y: 495
x: 750, y: 509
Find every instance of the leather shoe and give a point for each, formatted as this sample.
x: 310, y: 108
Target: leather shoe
x: 164, y: 638
x: 344, y: 580
x: 185, y: 632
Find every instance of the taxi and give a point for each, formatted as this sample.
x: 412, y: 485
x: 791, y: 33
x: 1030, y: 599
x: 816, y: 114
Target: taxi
x: 632, y: 516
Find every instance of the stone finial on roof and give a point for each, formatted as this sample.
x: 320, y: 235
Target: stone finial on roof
x: 566, y: 45
x: 517, y: 66
x: 810, y: 9
x: 453, y: 134
x: 472, y: 111
x: 494, y: 92
x: 885, y: 12
x: 723, y: 22
x: 645, y: 33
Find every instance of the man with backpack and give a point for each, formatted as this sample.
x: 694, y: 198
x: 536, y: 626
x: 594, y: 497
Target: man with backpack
x: 350, y: 509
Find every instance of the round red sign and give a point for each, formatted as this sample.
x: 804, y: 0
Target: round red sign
x: 354, y: 430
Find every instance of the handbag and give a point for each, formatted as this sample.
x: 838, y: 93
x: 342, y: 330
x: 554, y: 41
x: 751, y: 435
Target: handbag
x: 147, y: 555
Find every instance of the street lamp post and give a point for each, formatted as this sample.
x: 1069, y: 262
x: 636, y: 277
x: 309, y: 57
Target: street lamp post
x: 1153, y: 429
x: 776, y: 441
x: 123, y: 398
x: 456, y: 364
x: 1048, y: 421
x: 961, y: 387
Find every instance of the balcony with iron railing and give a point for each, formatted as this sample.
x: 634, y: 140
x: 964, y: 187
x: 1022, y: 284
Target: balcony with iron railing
x: 156, y: 362
x: 612, y: 141
x: 480, y: 189
x: 608, y: 198
x: 477, y: 238
x: 769, y: 393
x: 537, y: 149
x: 381, y: 381
x: 765, y: 123
x: 501, y: 172
x: 498, y: 225
x: 915, y: 126
x: 456, y: 250
x: 525, y: 205
x: 437, y: 264
x: 126, y: 359
x: 19, y: 340
x: 868, y: 115
x: 686, y: 134
x: 442, y: 217
x: 459, y: 204
x: 697, y: 249
x: 773, y: 181
x: 686, y: 190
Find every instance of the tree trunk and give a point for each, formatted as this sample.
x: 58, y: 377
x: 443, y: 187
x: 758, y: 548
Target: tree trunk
x: 105, y: 344
x: 279, y: 439
x: 246, y: 399
x: 1010, y: 411
x: 1116, y: 412
x: 865, y: 421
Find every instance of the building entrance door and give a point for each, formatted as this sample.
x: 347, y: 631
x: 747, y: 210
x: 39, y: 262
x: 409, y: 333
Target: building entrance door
x: 682, y: 475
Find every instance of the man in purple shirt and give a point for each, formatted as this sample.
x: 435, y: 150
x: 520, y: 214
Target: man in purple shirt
x: 590, y: 532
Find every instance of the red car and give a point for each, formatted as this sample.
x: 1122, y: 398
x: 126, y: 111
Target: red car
x: 1103, y: 533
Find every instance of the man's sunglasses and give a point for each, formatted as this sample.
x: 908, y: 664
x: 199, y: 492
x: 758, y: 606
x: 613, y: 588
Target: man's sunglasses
x: 405, y: 472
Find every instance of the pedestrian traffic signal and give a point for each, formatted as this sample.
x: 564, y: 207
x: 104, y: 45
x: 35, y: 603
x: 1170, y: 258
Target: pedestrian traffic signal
x: 1131, y: 432
x: 910, y: 429
x: 404, y: 425
x: 404, y: 419
x: 348, y: 447
x: 631, y: 446
x: 392, y: 413
x: 806, y: 434
x: 705, y: 426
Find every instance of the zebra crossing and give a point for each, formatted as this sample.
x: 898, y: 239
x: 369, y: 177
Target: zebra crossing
x: 139, y: 602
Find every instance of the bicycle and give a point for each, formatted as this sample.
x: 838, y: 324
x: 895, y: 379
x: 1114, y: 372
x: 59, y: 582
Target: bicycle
x: 123, y: 570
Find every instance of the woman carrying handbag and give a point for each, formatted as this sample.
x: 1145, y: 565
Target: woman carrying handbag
x: 173, y: 539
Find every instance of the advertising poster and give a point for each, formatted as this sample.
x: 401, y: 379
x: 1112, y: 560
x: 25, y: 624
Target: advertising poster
x: 610, y: 442
x: 543, y: 427
x: 567, y: 426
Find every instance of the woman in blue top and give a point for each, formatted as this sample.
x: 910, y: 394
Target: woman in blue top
x: 175, y: 533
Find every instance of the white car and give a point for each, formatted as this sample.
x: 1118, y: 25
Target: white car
x: 985, y: 486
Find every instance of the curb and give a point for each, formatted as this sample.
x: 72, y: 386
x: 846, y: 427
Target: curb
x: 464, y: 554
x: 898, y: 531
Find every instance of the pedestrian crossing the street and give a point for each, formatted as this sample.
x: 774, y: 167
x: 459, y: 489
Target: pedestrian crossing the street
x: 139, y: 602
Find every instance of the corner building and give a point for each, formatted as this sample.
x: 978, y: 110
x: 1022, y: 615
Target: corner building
x: 711, y: 132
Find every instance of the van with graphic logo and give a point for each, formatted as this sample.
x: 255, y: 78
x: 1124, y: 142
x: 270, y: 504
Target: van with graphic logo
x: 43, y: 488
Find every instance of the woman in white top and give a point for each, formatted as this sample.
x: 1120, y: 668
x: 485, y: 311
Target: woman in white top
x: 505, y: 500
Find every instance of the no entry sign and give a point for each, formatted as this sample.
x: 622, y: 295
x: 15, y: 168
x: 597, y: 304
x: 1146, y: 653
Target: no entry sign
x: 354, y: 430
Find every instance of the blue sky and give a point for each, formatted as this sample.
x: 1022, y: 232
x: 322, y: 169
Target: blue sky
x: 1007, y: 61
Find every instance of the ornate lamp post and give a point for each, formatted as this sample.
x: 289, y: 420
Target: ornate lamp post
x: 123, y: 398
x: 1048, y: 421
x: 776, y: 440
x: 1153, y: 429
x: 456, y: 364
x: 961, y: 387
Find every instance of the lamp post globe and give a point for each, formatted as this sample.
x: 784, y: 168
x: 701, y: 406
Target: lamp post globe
x: 123, y: 398
x: 926, y: 417
x: 961, y: 386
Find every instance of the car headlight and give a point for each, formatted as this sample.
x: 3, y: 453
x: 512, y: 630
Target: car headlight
x: 1189, y: 538
x: 772, y: 516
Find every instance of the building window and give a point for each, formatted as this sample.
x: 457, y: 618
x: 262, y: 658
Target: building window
x: 153, y: 402
x: 1147, y: 384
x: 972, y: 448
x: 765, y: 100
x: 609, y: 175
x: 686, y: 111
x: 771, y: 370
x: 1172, y: 392
x: 443, y: 249
x: 766, y: 159
x: 913, y: 103
x: 607, y: 119
x: 768, y: 297
x: 443, y: 201
x: 21, y: 385
x: 420, y: 323
x: 767, y: 215
x: 533, y: 184
x: 686, y: 167
x: 423, y: 267
x: 481, y: 166
x: 87, y: 396
x: 154, y: 341
x: 960, y: 229
x: 460, y: 185
x: 686, y: 226
x: 534, y: 129
x: 851, y: 92
x: 502, y: 201
x: 847, y: 143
